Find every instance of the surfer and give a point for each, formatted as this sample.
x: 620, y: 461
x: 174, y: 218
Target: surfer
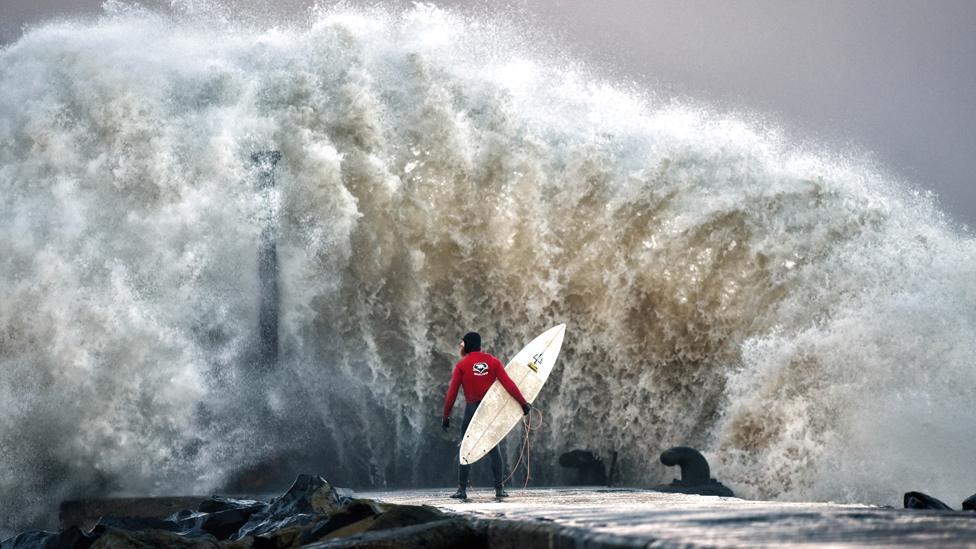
x: 475, y: 372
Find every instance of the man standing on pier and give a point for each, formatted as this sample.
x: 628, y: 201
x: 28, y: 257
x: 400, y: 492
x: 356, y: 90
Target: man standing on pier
x: 475, y: 372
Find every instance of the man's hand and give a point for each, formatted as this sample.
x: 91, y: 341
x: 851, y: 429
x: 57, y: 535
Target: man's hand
x: 446, y: 424
x: 525, y: 408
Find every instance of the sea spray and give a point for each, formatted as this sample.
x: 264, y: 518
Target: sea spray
x: 801, y: 316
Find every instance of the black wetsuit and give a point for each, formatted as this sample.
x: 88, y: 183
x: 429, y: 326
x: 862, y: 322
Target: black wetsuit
x: 495, y: 455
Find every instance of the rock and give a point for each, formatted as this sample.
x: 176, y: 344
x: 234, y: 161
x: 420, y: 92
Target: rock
x: 308, y: 496
x: 84, y: 513
x: 221, y: 524
x: 695, y: 474
x: 219, y: 503
x: 124, y: 539
x: 223, y: 518
x: 970, y: 503
x: 218, y: 516
x: 358, y: 527
x: 309, y: 510
x: 441, y: 534
x: 272, y: 526
x: 394, y: 517
x: 407, y: 515
x: 355, y: 512
x: 134, y: 524
x: 243, y: 543
x: 355, y: 517
x: 72, y: 538
x: 590, y: 469
x: 918, y: 500
x: 279, y: 539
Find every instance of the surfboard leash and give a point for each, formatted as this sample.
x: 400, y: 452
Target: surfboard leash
x: 526, y: 450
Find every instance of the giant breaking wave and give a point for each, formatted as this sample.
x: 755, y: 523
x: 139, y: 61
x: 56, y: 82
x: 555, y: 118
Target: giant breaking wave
x: 801, y: 316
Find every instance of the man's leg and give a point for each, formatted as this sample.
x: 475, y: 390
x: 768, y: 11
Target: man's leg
x: 495, y: 455
x: 464, y: 470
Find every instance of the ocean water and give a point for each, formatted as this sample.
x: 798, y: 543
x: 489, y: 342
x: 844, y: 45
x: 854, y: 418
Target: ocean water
x: 798, y: 313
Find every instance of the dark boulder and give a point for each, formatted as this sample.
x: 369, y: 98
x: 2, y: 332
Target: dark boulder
x: 71, y: 538
x: 355, y: 517
x: 220, y: 503
x: 918, y: 500
x: 310, y: 499
x: 696, y: 477
x: 133, y: 524
x: 590, y: 469
x: 218, y: 516
x: 145, y: 539
x: 84, y: 513
x: 308, y: 496
x: 358, y: 512
x: 441, y: 534
x: 310, y: 511
x: 407, y: 515
x: 220, y: 524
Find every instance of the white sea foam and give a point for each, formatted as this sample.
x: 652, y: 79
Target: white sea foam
x: 799, y: 315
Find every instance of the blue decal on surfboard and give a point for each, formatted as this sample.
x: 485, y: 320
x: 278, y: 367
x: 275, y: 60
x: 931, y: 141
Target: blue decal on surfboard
x: 536, y: 362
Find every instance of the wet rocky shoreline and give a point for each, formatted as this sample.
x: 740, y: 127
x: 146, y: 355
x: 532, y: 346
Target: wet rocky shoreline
x: 313, y: 513
x: 310, y: 513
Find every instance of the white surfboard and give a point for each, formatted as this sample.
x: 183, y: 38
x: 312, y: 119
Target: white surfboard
x: 498, y: 411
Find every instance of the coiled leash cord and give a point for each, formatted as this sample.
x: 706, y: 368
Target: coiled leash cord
x: 526, y: 451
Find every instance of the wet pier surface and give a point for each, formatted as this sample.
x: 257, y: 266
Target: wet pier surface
x: 595, y: 517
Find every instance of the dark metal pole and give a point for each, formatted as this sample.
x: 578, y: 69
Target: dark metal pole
x: 613, y: 468
x: 268, y: 261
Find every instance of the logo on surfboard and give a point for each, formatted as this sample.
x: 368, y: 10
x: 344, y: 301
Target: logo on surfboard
x: 536, y: 362
x: 480, y: 369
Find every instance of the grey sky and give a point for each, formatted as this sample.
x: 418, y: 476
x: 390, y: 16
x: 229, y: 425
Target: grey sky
x: 894, y: 77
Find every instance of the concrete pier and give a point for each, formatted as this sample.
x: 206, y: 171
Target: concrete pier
x: 600, y: 517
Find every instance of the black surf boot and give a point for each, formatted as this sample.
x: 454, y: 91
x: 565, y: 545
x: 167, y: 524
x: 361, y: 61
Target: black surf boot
x: 500, y: 492
x: 460, y: 494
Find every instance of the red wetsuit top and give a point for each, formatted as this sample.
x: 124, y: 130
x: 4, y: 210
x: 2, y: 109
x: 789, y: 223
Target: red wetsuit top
x: 476, y: 372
